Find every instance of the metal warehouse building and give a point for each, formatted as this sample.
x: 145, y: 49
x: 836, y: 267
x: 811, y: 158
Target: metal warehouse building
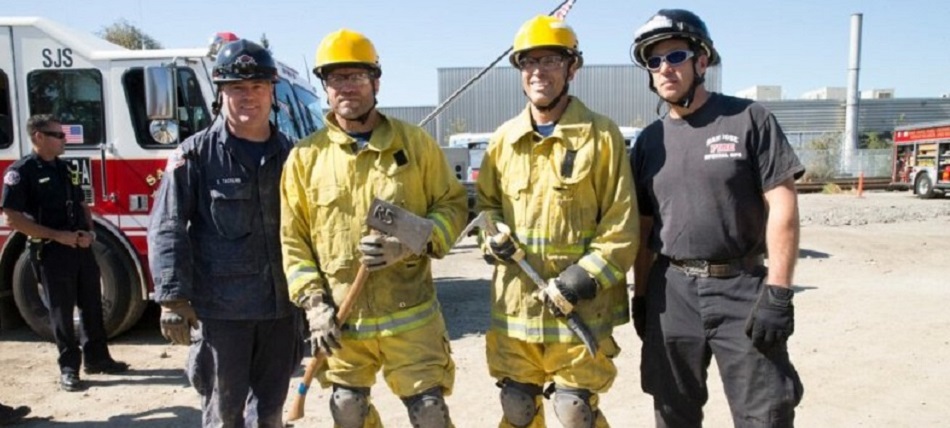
x: 620, y: 92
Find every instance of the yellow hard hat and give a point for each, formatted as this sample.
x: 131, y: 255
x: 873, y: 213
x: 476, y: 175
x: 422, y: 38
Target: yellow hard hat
x: 346, y: 47
x: 545, y: 31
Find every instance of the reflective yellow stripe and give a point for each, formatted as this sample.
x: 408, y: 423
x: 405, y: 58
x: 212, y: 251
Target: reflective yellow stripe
x: 389, y: 325
x: 550, y: 329
x: 605, y: 273
x: 443, y: 231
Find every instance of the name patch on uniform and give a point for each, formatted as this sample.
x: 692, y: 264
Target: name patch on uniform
x: 11, y: 178
x: 44, y: 180
x: 230, y: 180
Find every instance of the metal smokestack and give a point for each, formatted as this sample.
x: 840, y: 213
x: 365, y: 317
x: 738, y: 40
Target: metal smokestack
x: 850, y: 143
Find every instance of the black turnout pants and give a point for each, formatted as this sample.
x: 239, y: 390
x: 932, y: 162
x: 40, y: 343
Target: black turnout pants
x: 692, y: 319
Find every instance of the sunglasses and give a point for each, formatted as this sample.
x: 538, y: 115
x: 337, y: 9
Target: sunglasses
x: 672, y: 58
x: 55, y: 134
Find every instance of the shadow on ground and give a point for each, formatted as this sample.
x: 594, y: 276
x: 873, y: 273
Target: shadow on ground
x: 465, y: 305
x: 805, y: 253
x: 177, y: 416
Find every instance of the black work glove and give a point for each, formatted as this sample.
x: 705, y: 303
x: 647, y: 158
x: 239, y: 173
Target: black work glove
x: 772, y: 319
x: 576, y: 284
x: 638, y: 307
x: 502, y: 245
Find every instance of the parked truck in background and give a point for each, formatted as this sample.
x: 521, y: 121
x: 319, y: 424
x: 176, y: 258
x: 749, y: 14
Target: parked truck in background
x: 98, y: 90
x: 922, y: 158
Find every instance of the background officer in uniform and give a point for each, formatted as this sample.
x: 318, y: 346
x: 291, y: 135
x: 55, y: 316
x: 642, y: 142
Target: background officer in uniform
x: 329, y: 182
x: 42, y: 199
x: 716, y: 188
x: 215, y: 251
x: 557, y: 176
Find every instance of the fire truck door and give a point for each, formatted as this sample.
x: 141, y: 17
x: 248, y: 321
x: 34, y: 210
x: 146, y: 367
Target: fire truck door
x: 9, y: 131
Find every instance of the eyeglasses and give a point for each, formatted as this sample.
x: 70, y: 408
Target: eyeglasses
x: 353, y: 79
x: 55, y: 134
x: 545, y: 63
x: 672, y: 58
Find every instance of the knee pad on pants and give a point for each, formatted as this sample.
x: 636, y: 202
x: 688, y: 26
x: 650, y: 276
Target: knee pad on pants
x: 349, y: 406
x: 572, y: 407
x: 518, y: 401
x: 427, y: 409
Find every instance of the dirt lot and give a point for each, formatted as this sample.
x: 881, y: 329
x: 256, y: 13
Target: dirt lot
x: 871, y: 341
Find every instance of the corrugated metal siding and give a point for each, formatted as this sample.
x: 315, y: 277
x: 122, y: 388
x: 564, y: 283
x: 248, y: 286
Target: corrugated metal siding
x: 617, y: 91
x: 413, y: 115
x: 879, y: 115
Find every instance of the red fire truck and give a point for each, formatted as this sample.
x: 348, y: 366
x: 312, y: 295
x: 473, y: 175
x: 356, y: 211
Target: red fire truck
x: 116, y: 139
x: 922, y: 158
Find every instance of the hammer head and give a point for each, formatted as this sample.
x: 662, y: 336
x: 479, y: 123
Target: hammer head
x: 413, y: 231
x: 482, y: 221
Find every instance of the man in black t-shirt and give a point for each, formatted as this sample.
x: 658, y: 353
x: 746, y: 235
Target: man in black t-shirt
x: 43, y: 200
x: 716, y: 190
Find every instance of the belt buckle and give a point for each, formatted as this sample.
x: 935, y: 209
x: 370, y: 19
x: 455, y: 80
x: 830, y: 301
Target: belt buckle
x: 698, y: 268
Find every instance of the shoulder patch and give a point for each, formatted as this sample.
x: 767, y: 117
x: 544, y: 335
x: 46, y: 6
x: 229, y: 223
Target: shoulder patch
x: 11, y: 178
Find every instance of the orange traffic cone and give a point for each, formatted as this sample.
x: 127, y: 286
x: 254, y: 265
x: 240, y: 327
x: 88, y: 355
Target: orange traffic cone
x: 861, y: 185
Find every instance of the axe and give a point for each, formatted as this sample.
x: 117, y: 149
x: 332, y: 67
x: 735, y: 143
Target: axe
x: 413, y: 231
x: 574, y: 321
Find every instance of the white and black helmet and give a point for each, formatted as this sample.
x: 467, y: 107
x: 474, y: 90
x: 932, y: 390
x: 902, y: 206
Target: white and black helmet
x: 672, y: 24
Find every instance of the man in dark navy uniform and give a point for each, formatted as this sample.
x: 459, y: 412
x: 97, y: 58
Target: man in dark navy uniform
x: 215, y: 255
x: 42, y: 199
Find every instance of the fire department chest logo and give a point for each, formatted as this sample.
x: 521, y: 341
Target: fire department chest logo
x: 11, y: 178
x: 722, y: 146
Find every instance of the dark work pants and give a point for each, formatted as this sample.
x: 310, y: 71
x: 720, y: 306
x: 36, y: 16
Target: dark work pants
x: 242, y: 370
x: 70, y: 278
x: 692, y: 319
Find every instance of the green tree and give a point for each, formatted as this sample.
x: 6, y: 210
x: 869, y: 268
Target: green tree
x: 125, y: 34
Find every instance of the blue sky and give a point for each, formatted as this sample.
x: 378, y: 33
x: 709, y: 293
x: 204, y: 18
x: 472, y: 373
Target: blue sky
x: 800, y: 45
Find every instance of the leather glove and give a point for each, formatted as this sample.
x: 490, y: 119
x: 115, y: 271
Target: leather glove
x: 324, y: 332
x: 380, y: 251
x: 638, y: 306
x: 772, y: 319
x: 177, y: 320
x: 502, y: 246
x: 576, y: 284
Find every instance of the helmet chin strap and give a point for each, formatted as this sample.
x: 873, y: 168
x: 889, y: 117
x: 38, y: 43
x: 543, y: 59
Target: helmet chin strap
x: 365, y: 116
x: 551, y: 105
x: 687, y: 98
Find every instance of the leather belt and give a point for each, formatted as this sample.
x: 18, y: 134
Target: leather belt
x: 716, y: 268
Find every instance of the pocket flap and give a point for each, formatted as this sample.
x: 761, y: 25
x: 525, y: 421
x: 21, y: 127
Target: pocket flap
x: 231, y: 191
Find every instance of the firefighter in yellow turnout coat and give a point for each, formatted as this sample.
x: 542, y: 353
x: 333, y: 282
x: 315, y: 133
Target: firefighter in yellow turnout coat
x: 329, y: 181
x: 556, y: 176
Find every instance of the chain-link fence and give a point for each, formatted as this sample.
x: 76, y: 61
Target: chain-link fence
x: 820, y: 152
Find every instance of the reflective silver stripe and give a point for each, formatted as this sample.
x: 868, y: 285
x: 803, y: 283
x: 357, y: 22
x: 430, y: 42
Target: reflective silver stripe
x: 301, y: 272
x: 603, y: 269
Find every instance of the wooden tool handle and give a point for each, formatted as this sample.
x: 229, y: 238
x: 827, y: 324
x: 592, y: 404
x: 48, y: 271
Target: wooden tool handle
x: 297, y: 408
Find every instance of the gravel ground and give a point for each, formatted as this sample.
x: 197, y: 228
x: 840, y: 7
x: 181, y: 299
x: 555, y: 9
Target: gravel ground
x: 847, y: 209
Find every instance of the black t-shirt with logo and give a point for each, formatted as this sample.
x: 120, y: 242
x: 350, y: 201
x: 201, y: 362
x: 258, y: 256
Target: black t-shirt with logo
x: 702, y: 178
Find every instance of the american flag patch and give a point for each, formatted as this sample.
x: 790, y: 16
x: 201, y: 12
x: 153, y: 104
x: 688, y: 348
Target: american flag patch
x: 73, y: 134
